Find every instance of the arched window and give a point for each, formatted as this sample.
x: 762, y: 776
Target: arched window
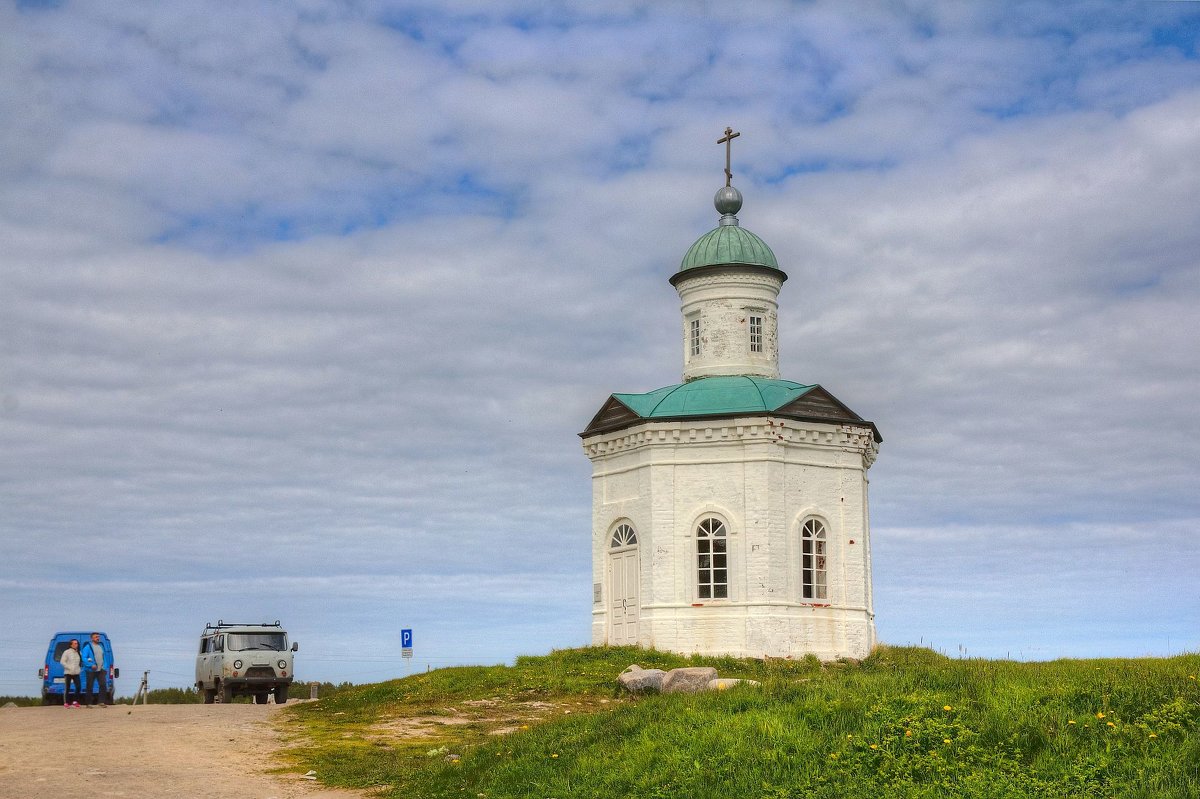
x: 813, y: 560
x: 712, y: 560
x: 623, y: 536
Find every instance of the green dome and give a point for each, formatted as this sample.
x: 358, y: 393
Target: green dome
x: 728, y: 244
x: 709, y: 396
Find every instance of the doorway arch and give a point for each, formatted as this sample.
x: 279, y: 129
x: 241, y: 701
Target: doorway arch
x: 624, y: 586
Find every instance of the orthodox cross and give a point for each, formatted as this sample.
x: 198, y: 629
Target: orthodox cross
x: 727, y: 140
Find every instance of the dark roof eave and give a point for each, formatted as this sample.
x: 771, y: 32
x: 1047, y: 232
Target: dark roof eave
x: 700, y: 270
x: 736, y: 415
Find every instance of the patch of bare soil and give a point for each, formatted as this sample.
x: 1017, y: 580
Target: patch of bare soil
x: 151, y: 751
x: 488, y: 716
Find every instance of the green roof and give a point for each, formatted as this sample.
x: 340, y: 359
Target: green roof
x: 724, y: 396
x: 709, y: 396
x: 728, y: 244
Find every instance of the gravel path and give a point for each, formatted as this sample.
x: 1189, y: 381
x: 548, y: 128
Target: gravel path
x: 154, y: 751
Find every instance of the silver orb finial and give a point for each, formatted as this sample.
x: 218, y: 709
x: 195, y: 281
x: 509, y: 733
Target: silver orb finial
x: 728, y: 200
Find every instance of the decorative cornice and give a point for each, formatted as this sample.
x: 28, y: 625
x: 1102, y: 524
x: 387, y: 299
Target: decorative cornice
x: 726, y: 273
x: 765, y: 429
x: 870, y: 454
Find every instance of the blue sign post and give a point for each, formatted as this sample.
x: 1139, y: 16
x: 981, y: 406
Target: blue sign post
x: 406, y: 647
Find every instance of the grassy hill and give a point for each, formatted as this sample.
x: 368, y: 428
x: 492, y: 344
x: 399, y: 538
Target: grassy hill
x: 905, y: 722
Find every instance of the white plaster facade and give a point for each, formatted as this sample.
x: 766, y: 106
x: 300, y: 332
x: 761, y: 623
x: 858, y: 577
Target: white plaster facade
x: 723, y: 300
x: 763, y: 477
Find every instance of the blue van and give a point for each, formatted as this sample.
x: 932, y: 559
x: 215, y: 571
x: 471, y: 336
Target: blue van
x: 52, y: 672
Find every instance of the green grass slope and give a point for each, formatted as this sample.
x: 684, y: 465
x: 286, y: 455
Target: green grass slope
x: 905, y: 722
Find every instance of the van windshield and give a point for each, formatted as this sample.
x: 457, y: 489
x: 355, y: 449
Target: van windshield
x: 240, y: 642
x: 63, y: 646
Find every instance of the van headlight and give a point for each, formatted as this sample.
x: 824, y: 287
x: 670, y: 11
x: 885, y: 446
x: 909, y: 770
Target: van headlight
x: 283, y: 664
x: 237, y: 664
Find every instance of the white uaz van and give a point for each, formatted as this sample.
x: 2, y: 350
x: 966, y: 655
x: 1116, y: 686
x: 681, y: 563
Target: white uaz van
x: 244, y: 660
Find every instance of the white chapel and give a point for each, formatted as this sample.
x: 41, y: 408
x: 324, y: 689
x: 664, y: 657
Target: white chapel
x: 729, y: 511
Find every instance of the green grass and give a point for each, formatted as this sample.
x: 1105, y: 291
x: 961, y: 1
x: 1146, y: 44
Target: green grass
x: 20, y: 701
x: 905, y: 722
x: 190, y: 696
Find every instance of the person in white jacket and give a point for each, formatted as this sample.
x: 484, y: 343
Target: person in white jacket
x: 71, y: 663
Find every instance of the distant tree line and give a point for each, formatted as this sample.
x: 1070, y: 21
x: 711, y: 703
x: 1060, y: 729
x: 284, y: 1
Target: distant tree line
x: 190, y: 696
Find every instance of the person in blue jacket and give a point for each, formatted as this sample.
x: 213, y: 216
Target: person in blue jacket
x: 97, y: 669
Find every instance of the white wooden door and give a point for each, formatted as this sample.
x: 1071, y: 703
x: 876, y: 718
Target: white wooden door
x: 625, y: 577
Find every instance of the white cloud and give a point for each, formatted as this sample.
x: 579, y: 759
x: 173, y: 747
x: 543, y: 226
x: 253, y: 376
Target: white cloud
x: 315, y: 299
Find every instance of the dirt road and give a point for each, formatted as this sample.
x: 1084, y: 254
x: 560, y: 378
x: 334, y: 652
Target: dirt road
x: 155, y: 751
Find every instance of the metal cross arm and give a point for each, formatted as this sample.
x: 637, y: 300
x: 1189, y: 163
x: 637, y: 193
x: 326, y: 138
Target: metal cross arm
x: 727, y: 140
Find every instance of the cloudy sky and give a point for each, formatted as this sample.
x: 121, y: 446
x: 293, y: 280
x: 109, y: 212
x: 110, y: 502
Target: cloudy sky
x: 303, y: 304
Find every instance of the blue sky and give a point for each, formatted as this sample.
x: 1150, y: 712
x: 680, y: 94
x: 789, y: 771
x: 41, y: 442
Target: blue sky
x: 302, y: 306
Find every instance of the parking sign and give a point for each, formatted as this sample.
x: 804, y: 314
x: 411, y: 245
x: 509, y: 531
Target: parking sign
x: 406, y: 644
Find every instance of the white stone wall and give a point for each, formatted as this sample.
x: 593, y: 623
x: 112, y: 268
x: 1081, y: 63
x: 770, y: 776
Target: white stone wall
x: 723, y: 299
x: 763, y: 477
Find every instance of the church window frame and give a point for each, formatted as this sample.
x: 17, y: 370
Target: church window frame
x: 814, y: 560
x: 755, y: 326
x: 623, y: 535
x: 712, y: 559
x: 694, y: 337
